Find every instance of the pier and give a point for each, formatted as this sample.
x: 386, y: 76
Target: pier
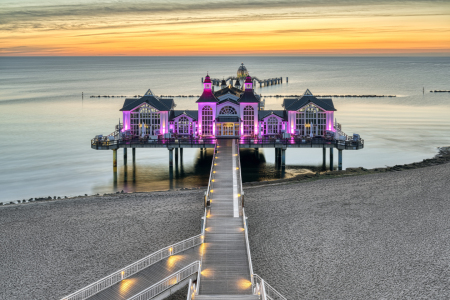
x: 215, y: 264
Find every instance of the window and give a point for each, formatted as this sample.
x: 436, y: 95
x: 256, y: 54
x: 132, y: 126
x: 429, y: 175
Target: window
x: 311, y: 119
x: 272, y: 125
x: 207, y: 120
x: 183, y: 125
x: 228, y: 110
x: 249, y: 120
x: 145, y: 118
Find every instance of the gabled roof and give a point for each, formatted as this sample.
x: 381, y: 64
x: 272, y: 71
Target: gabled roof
x: 193, y: 114
x: 296, y: 104
x: 265, y: 113
x: 248, y: 97
x: 229, y: 90
x: 159, y: 104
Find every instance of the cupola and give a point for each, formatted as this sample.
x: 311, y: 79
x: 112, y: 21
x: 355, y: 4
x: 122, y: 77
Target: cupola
x: 207, y: 85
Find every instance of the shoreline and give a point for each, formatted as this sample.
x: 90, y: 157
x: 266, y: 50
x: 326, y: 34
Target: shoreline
x: 442, y: 157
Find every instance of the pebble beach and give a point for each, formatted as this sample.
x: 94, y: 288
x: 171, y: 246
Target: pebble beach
x: 381, y: 235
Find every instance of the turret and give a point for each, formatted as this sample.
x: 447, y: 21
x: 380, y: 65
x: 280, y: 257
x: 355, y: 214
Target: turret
x: 248, y: 85
x: 223, y: 84
x: 207, y: 84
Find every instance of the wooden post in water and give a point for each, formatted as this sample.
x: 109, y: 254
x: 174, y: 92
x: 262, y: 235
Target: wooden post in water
x: 170, y: 157
x: 331, y: 159
x: 115, y: 164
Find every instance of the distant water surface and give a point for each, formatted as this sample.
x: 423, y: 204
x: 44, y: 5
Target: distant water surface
x: 46, y: 126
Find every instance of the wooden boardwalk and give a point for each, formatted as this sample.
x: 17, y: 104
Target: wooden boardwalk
x: 225, y: 269
x: 149, y: 276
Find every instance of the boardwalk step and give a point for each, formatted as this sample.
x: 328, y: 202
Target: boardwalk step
x: 226, y: 297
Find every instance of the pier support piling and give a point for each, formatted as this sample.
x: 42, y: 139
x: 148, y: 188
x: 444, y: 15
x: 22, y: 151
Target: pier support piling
x: 115, y: 160
x: 331, y: 159
x: 171, y: 157
x: 176, y: 156
x: 133, y: 154
x: 283, y: 157
x: 340, y: 159
x: 324, y: 158
x: 181, y: 156
x: 125, y: 156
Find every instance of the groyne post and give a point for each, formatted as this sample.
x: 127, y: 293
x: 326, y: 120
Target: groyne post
x: 125, y: 156
x: 340, y: 159
x: 331, y: 159
x: 287, y: 79
x: 170, y: 157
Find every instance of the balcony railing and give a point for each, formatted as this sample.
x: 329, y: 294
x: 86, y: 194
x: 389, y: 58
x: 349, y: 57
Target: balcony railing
x: 347, y: 144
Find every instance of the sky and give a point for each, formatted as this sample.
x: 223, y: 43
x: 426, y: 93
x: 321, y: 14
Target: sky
x: 223, y: 27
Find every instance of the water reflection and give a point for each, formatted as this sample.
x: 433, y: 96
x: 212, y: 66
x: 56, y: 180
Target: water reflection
x: 188, y: 172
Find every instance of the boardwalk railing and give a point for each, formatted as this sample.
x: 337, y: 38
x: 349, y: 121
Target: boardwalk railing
x: 134, y: 268
x: 247, y: 246
x: 266, y: 291
x: 174, y: 142
x: 168, y: 282
x: 209, y: 190
x: 240, y: 189
x: 347, y: 144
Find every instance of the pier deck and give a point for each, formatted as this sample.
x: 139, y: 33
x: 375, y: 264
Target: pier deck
x: 149, y: 276
x: 225, y: 269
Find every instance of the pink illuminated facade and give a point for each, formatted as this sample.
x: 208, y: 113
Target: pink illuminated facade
x: 228, y: 112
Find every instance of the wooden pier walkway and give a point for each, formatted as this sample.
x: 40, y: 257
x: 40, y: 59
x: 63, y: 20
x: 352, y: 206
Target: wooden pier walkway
x: 225, y: 269
x: 138, y: 282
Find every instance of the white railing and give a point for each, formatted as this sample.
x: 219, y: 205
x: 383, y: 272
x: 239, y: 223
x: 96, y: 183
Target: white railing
x: 191, y: 290
x: 240, y: 189
x: 168, y: 282
x: 211, y: 179
x: 266, y: 291
x: 247, y: 245
x: 138, y: 266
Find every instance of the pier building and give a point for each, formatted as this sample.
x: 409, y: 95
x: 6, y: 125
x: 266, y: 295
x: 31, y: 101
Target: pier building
x: 231, y: 112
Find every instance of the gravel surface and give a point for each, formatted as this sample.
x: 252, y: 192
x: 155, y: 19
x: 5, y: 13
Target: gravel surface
x: 378, y: 236
x: 50, y: 249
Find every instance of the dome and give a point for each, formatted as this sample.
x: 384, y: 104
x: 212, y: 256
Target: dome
x: 242, y: 71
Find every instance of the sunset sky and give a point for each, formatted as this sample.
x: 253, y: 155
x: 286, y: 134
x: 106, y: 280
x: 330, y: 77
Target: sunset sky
x: 262, y: 27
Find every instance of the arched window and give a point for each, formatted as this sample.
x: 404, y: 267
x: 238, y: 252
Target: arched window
x: 249, y: 120
x: 311, y: 119
x: 207, y: 120
x: 272, y: 125
x: 183, y: 125
x: 228, y: 110
x: 145, y: 118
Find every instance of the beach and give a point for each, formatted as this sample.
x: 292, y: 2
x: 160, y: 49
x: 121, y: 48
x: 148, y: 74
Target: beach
x: 381, y: 235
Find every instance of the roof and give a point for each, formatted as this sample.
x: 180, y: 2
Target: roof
x: 227, y: 119
x: 207, y: 96
x: 248, y: 97
x: 238, y: 83
x: 193, y: 114
x: 159, y: 104
x: 229, y: 89
x: 308, y: 97
x: 265, y: 113
x: 223, y: 82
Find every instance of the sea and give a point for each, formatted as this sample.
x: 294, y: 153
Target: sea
x: 46, y: 125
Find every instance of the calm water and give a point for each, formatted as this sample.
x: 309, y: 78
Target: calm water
x: 46, y: 126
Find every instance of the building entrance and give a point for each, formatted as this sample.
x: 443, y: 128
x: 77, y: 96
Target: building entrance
x: 227, y: 129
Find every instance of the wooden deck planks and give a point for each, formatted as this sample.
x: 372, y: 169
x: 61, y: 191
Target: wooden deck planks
x: 225, y: 268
